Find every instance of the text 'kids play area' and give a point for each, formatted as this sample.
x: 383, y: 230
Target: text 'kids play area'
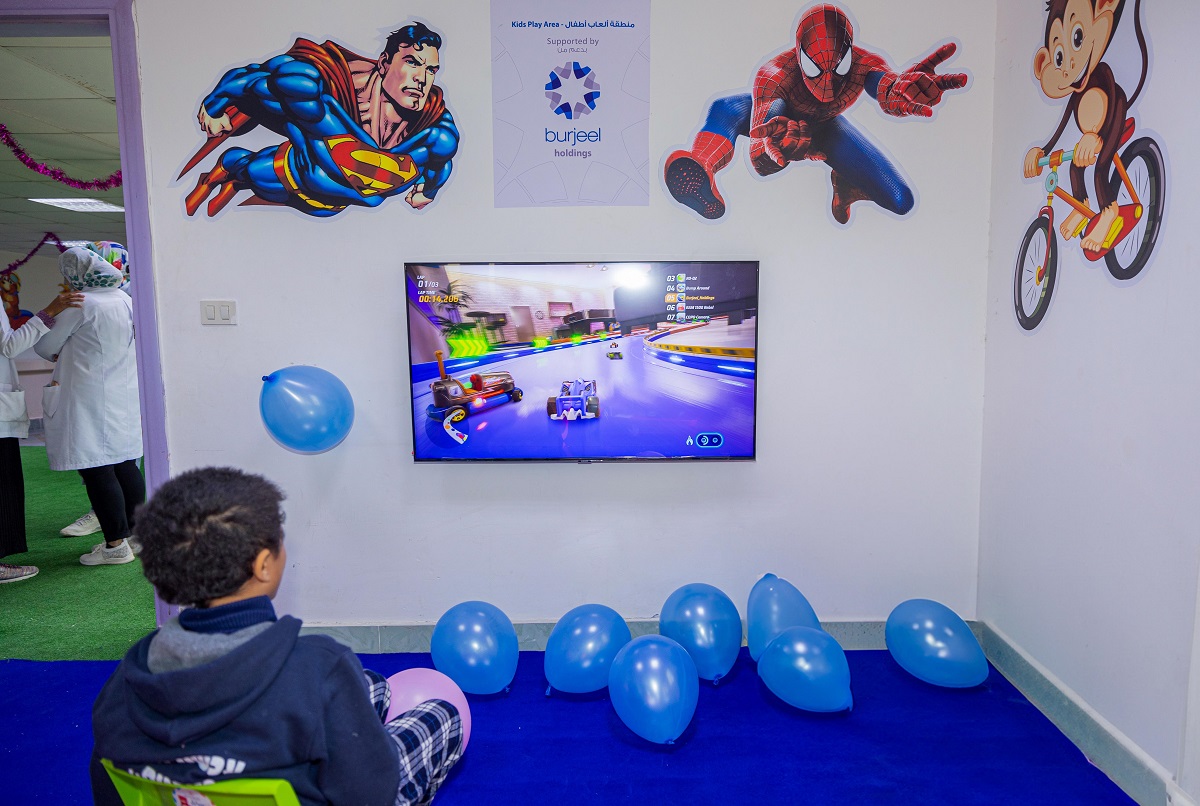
x: 596, y: 403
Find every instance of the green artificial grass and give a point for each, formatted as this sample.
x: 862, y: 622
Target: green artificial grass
x: 68, y: 611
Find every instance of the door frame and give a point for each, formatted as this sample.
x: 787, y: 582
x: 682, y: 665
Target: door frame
x: 135, y: 184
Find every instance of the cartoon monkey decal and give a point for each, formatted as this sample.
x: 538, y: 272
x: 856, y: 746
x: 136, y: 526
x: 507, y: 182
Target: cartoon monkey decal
x: 1071, y: 65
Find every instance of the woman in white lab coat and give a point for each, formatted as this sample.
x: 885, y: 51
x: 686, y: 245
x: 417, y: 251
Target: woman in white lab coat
x: 91, y: 412
x: 14, y: 425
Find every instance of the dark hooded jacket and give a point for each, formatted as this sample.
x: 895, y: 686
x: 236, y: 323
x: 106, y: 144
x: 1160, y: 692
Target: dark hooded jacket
x: 278, y: 705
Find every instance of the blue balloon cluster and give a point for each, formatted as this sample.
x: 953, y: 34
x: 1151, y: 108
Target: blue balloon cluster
x: 933, y: 644
x: 653, y: 681
x: 306, y: 409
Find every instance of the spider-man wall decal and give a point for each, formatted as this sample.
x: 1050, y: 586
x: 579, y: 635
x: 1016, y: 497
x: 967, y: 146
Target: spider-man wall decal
x: 795, y: 113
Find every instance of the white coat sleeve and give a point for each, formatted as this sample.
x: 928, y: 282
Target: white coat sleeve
x: 15, y: 342
x: 65, y: 324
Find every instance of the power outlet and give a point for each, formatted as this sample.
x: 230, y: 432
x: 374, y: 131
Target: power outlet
x: 218, y: 312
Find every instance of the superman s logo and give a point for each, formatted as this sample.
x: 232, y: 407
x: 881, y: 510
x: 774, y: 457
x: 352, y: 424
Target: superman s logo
x: 367, y: 170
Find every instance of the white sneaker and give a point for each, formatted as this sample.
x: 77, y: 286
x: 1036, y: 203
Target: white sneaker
x: 103, y: 555
x: 87, y: 524
x: 134, y: 544
x: 15, y: 573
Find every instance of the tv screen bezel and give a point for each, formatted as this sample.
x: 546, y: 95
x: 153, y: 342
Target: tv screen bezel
x: 699, y: 457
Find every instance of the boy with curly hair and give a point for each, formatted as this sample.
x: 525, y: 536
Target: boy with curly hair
x: 228, y: 690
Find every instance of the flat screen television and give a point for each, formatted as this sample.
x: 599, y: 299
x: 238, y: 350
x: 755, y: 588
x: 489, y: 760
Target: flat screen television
x: 582, y: 362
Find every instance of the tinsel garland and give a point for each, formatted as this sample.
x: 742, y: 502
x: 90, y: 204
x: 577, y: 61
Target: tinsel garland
x: 113, y: 181
x: 47, y: 238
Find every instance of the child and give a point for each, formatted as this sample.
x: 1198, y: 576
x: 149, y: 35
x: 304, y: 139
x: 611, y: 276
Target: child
x: 228, y: 690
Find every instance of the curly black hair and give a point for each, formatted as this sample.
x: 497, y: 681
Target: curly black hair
x: 202, y: 530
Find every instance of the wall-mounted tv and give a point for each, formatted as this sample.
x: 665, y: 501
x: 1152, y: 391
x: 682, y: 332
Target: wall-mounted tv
x: 583, y: 361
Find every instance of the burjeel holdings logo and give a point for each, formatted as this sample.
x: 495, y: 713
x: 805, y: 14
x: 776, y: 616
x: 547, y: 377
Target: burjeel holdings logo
x: 573, y: 90
x: 573, y: 137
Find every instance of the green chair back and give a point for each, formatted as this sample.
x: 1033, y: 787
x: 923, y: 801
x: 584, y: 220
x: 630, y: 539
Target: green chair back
x: 135, y: 791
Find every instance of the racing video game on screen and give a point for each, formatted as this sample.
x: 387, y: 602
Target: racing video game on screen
x: 582, y: 361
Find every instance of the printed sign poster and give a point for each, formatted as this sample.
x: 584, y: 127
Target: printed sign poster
x: 571, y: 103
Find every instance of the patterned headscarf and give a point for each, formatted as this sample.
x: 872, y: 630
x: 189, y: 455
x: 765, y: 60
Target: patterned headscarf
x: 84, y: 269
x: 113, y: 252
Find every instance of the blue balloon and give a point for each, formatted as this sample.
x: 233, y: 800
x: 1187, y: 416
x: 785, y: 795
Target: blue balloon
x: 807, y: 668
x: 582, y: 646
x: 775, y: 604
x: 306, y: 409
x: 654, y: 687
x: 475, y: 645
x: 932, y: 643
x: 705, y: 622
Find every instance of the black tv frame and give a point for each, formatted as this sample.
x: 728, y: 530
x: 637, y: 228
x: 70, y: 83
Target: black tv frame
x: 733, y: 311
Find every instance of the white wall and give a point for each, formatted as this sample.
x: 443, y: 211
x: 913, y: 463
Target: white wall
x: 865, y: 491
x: 1088, y: 549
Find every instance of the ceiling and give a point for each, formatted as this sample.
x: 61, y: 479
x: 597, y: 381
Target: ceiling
x: 58, y: 101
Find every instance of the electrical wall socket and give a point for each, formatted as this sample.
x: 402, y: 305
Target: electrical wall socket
x: 218, y: 312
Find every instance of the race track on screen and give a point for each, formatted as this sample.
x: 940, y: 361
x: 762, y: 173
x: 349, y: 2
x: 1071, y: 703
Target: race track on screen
x: 654, y: 404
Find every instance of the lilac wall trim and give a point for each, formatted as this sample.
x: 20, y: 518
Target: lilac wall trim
x: 119, y: 14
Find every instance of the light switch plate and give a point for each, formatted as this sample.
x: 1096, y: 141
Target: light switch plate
x: 218, y: 312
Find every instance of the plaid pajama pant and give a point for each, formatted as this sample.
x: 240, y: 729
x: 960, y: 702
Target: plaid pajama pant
x: 428, y: 741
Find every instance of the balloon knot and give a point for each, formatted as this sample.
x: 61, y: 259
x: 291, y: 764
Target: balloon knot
x: 548, y: 690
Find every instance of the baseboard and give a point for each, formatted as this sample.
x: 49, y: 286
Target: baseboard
x: 1140, y: 776
x: 1114, y: 753
x: 1177, y: 797
x: 374, y: 639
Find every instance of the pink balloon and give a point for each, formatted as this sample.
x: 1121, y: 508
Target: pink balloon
x: 412, y: 687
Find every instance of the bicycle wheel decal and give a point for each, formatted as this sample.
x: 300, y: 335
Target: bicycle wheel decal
x: 1037, y: 268
x: 1146, y: 169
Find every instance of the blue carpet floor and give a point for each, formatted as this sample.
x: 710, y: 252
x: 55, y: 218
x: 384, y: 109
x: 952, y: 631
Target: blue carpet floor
x: 906, y: 742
